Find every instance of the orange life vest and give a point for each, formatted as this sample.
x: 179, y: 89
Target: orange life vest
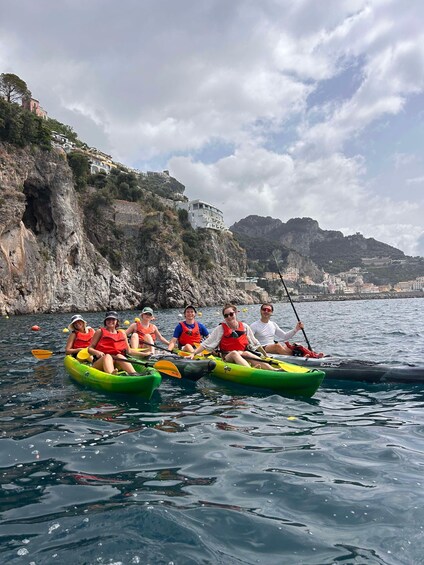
x: 83, y: 339
x: 189, y: 335
x: 233, y: 340
x: 143, y: 331
x: 112, y: 343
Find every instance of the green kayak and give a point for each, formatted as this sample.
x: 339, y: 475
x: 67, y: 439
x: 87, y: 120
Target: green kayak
x: 287, y: 380
x: 144, y: 384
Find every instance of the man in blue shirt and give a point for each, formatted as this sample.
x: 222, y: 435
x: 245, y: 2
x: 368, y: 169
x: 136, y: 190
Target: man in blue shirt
x: 189, y: 333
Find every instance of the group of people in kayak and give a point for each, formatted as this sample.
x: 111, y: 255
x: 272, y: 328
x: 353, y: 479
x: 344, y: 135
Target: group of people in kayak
x: 235, y: 341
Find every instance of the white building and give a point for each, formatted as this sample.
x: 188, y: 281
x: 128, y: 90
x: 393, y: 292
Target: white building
x: 203, y: 215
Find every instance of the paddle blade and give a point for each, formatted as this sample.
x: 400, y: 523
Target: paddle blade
x: 42, y: 353
x: 168, y: 368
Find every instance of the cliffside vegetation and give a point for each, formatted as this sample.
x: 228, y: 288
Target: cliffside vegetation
x: 22, y: 128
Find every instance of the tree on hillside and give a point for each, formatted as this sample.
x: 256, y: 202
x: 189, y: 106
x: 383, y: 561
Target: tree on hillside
x: 67, y: 131
x: 13, y: 88
x: 80, y: 168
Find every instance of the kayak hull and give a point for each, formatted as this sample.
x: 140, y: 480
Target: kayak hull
x: 358, y: 370
x: 286, y: 381
x: 190, y: 369
x: 141, y: 385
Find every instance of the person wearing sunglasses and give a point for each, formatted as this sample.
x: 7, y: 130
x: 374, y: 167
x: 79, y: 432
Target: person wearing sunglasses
x: 144, y: 332
x: 269, y: 334
x: 234, y: 339
x: 189, y: 333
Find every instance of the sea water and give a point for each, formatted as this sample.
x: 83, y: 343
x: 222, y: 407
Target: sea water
x: 209, y: 473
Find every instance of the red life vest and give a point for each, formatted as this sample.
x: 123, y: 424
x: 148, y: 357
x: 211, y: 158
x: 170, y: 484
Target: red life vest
x: 301, y: 351
x: 229, y: 342
x: 112, y: 343
x: 82, y: 340
x: 143, y: 331
x: 189, y: 335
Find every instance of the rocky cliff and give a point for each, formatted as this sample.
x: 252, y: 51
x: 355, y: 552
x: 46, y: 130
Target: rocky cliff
x: 60, y: 251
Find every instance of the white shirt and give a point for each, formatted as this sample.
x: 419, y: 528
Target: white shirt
x: 268, y: 332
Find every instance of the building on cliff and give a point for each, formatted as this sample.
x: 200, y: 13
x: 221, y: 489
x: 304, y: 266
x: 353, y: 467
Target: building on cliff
x: 203, y: 215
x: 33, y: 105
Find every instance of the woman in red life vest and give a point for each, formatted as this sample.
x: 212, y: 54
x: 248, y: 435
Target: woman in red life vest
x: 233, y: 337
x: 80, y: 336
x: 145, y: 331
x: 188, y: 334
x: 109, y: 346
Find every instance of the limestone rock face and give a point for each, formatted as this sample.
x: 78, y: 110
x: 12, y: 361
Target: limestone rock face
x: 49, y: 260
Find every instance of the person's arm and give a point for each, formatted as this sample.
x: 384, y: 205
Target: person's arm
x: 92, y: 348
x: 131, y: 329
x: 211, y: 342
x: 160, y: 336
x: 172, y: 343
x: 174, y: 340
x: 127, y: 342
x: 69, y: 350
x: 285, y: 336
x: 253, y: 341
x: 203, y: 330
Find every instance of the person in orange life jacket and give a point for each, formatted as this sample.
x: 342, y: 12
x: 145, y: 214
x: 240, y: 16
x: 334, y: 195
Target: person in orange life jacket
x: 80, y: 336
x: 233, y: 338
x: 108, y: 344
x: 188, y: 334
x: 145, y: 331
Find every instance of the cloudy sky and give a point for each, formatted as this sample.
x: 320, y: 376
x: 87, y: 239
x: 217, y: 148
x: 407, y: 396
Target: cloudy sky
x: 282, y: 108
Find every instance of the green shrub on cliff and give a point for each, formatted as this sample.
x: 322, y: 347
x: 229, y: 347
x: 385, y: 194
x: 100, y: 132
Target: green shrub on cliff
x: 21, y: 127
x: 80, y: 166
x: 54, y: 125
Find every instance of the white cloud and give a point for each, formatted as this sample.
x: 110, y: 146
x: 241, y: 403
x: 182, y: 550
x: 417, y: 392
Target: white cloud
x: 256, y: 181
x: 283, y: 89
x: 416, y: 180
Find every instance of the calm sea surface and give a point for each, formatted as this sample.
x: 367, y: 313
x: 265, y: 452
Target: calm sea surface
x: 206, y: 473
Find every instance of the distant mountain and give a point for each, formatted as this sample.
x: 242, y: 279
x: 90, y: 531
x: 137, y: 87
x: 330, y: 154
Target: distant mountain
x: 326, y: 249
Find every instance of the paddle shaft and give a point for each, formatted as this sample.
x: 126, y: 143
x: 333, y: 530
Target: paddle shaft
x: 291, y: 302
x: 159, y: 347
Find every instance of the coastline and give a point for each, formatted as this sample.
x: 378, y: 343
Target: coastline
x: 361, y: 296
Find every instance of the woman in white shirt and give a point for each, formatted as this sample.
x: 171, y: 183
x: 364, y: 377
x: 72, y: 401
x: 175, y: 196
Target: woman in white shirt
x: 233, y: 338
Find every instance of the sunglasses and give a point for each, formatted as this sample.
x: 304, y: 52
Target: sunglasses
x: 266, y: 310
x: 229, y: 314
x: 147, y: 314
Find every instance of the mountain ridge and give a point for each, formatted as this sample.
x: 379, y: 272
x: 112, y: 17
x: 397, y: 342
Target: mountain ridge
x: 327, y: 250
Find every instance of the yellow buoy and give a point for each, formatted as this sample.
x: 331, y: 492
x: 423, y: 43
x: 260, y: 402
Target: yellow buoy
x: 200, y: 314
x: 65, y: 330
x: 136, y: 319
x: 126, y: 323
x: 292, y: 418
